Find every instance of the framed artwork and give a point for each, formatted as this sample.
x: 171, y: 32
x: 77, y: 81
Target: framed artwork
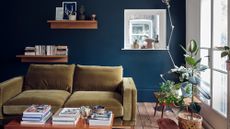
x: 69, y: 8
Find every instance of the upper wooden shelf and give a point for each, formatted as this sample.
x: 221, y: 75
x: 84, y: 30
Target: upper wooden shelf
x: 68, y: 24
x: 43, y: 59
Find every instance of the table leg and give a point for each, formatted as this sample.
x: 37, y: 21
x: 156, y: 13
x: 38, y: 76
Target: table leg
x: 155, y: 108
x: 162, y: 111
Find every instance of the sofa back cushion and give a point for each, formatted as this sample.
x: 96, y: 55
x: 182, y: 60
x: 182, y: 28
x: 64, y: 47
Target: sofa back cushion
x: 97, y: 78
x: 41, y: 76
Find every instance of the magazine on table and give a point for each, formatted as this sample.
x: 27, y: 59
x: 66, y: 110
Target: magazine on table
x: 37, y: 110
x: 58, y: 117
x: 69, y: 112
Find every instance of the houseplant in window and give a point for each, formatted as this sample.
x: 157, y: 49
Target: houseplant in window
x: 225, y: 52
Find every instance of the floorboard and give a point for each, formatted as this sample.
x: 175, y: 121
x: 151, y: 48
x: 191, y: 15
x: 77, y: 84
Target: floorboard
x: 146, y: 118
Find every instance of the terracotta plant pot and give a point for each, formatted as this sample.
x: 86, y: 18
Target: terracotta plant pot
x: 228, y: 65
x: 185, y: 122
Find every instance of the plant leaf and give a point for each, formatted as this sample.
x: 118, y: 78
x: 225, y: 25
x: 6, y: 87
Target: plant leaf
x: 224, y: 53
x: 202, y: 68
x: 203, y: 93
x: 190, y: 60
x: 226, y: 48
x: 195, y: 107
x: 184, y: 50
x: 198, y: 61
x: 193, y: 80
x: 192, y: 46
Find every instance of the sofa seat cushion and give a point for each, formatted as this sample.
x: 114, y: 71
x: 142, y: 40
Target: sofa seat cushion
x: 110, y: 100
x: 49, y: 76
x: 16, y: 105
x: 97, y: 78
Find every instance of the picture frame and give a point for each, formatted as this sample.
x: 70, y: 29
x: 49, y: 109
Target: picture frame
x: 69, y: 8
x: 59, y: 13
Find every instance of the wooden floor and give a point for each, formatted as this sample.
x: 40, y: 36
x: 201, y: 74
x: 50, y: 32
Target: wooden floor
x: 146, y: 119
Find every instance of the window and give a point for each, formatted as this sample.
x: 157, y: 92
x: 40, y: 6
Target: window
x: 213, y: 33
x: 145, y: 29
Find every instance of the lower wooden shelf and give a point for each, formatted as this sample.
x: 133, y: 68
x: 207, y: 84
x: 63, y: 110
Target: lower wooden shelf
x: 43, y: 59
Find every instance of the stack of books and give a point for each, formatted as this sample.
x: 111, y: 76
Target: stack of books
x: 30, y: 51
x: 36, y: 114
x: 66, y: 116
x: 101, y: 119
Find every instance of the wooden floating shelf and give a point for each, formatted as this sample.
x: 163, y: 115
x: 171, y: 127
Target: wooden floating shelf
x: 68, y: 24
x: 43, y: 59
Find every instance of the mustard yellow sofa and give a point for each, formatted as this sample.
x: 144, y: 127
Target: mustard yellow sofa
x: 71, y: 86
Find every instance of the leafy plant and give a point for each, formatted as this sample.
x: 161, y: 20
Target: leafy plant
x: 189, y: 78
x: 169, y: 93
x: 225, y: 51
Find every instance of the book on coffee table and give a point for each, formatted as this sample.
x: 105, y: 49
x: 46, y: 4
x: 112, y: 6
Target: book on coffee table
x: 66, y: 116
x: 36, y: 122
x: 101, y: 119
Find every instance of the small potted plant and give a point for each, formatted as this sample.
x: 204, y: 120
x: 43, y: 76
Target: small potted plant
x: 72, y: 15
x: 225, y: 52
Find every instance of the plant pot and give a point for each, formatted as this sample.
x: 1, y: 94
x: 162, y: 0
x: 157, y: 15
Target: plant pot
x: 185, y: 121
x: 72, y: 17
x: 228, y: 65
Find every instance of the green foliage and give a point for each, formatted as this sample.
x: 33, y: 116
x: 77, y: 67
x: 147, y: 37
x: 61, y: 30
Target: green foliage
x: 189, y: 76
x: 169, y: 92
x: 225, y: 51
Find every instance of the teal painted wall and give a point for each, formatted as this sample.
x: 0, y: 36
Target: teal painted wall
x: 24, y: 23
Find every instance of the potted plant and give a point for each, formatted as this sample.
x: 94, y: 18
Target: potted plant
x: 188, y: 82
x: 225, y: 52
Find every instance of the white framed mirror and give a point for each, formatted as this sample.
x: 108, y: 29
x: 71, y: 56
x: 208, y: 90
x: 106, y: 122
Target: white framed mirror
x: 145, y: 29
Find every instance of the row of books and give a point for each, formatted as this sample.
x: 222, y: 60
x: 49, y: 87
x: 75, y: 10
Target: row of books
x: 36, y: 114
x: 48, y: 50
x: 39, y: 114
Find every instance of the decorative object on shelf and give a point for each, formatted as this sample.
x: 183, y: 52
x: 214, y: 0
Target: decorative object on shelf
x: 59, y: 13
x: 135, y: 45
x: 73, y: 16
x: 82, y: 12
x: 69, y: 8
x: 93, y: 17
x: 225, y: 52
x: 142, y: 24
x: 149, y: 42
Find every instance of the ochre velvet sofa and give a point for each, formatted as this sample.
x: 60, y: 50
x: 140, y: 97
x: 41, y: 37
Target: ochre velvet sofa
x: 71, y: 86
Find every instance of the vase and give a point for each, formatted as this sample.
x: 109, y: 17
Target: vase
x: 185, y: 121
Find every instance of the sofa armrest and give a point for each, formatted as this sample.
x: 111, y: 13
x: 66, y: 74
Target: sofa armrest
x: 129, y: 93
x: 9, y: 89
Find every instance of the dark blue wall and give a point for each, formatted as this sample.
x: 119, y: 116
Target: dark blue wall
x: 24, y: 23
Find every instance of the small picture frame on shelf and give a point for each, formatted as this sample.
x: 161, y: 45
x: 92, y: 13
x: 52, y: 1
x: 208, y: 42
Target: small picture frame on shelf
x: 59, y: 13
x: 69, y: 8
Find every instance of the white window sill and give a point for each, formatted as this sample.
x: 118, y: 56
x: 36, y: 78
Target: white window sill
x: 147, y: 49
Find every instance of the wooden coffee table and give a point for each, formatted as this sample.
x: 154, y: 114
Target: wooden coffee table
x: 15, y: 124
